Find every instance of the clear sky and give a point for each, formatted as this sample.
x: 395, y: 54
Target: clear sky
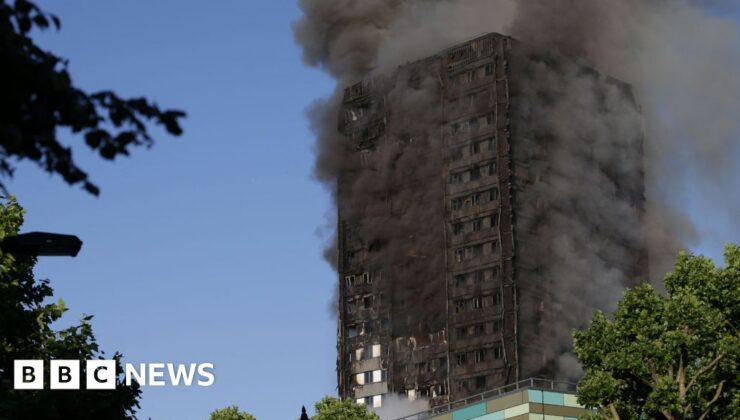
x: 206, y: 247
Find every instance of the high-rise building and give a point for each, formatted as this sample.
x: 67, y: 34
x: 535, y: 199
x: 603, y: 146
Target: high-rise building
x: 452, y: 208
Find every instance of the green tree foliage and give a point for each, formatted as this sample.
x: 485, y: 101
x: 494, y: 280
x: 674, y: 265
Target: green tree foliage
x: 231, y: 413
x: 330, y: 408
x: 38, y: 98
x: 26, y: 318
x: 673, y: 356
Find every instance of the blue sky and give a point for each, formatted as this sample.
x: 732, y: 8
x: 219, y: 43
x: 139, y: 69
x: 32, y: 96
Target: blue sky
x: 204, y: 248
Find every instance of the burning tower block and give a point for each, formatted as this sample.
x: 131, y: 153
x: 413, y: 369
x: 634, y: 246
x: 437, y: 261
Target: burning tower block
x: 492, y: 198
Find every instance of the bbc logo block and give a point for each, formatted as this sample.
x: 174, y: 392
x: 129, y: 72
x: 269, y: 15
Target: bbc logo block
x: 64, y: 374
x: 101, y: 374
x: 28, y: 374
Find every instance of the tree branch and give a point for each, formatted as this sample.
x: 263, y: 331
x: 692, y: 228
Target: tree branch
x: 714, y: 400
x: 613, y: 410
x: 681, y: 378
x: 705, y: 369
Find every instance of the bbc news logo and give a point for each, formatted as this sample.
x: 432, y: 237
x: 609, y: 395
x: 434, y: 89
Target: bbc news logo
x: 101, y: 374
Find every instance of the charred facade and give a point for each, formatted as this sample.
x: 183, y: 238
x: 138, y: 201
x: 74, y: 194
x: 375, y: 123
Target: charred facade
x: 468, y: 246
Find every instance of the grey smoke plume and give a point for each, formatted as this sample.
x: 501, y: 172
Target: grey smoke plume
x: 680, y: 56
x: 397, y: 406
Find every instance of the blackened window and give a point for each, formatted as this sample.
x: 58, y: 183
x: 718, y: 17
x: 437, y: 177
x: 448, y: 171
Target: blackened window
x: 489, y: 69
x: 498, y: 325
x: 458, y: 228
x: 460, y: 280
x: 457, y: 203
x: 498, y: 352
x: 477, y: 277
x: 462, y: 359
x: 493, y: 194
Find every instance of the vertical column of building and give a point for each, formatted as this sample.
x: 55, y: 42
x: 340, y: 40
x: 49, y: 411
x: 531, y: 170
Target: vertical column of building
x: 418, y: 355
x: 364, y: 330
x: 480, y: 329
x: 508, y: 287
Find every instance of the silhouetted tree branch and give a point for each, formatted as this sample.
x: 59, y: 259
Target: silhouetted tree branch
x: 38, y: 98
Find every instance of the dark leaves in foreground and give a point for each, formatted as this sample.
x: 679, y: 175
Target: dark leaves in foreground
x: 37, y: 97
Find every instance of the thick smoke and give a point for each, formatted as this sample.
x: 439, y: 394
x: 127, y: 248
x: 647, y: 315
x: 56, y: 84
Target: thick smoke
x: 682, y: 59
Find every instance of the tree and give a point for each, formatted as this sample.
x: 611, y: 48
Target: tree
x: 38, y: 98
x: 26, y: 333
x: 673, y: 356
x: 330, y: 408
x: 231, y: 413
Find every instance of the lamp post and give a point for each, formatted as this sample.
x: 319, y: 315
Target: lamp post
x: 38, y: 244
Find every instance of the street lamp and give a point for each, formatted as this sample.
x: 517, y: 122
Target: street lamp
x: 41, y: 244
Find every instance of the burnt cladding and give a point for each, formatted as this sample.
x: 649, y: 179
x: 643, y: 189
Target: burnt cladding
x: 473, y: 229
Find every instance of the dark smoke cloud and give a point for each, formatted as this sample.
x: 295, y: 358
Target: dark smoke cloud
x: 681, y: 57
